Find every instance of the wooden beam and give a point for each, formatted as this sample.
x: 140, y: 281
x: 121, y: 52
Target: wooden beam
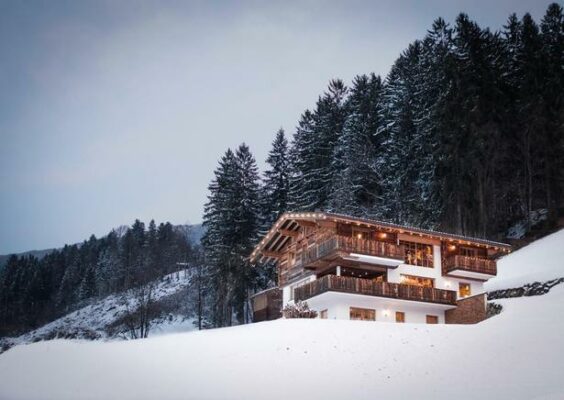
x: 287, y: 232
x: 271, y: 254
x: 302, y: 222
x: 327, y: 224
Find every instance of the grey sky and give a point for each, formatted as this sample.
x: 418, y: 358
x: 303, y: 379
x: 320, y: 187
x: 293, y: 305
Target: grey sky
x: 114, y: 110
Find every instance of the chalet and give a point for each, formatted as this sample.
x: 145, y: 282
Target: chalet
x: 352, y: 268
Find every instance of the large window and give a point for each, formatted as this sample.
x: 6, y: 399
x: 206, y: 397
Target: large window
x: 464, y: 290
x: 417, y: 281
x: 418, y: 254
x: 362, y: 314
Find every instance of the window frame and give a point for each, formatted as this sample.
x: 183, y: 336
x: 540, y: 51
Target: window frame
x: 400, y: 314
x: 468, y: 286
x: 413, y: 248
x: 370, y: 311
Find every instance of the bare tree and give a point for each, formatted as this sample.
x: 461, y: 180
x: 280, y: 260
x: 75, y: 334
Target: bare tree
x: 141, y: 310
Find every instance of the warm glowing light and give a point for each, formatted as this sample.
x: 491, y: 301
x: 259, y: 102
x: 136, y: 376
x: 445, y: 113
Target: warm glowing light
x: 451, y: 247
x: 359, y: 235
x: 382, y: 235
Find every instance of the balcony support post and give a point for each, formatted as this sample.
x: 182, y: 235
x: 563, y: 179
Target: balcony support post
x: 338, y: 270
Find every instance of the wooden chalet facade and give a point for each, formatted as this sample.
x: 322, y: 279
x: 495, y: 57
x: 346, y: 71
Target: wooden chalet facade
x: 352, y: 268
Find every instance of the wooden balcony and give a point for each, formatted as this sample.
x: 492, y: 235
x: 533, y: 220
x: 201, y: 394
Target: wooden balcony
x: 333, y: 283
x: 470, y: 267
x: 346, y: 244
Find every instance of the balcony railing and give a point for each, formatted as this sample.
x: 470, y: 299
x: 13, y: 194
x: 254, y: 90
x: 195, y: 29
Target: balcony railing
x: 352, y: 245
x: 367, y: 287
x: 471, y: 264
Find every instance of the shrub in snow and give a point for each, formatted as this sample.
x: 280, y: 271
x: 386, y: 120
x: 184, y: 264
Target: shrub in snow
x: 530, y: 289
x: 69, y: 332
x: 298, y: 310
x: 493, y: 309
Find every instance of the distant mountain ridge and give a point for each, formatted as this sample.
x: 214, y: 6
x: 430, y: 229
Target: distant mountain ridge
x: 195, y: 232
x: 36, y: 253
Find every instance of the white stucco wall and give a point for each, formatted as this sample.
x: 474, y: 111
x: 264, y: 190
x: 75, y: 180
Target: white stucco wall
x: 338, y: 307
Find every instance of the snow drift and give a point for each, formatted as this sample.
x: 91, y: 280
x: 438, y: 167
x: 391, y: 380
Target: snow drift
x: 540, y: 261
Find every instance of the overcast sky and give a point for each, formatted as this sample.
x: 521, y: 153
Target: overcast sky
x: 116, y: 110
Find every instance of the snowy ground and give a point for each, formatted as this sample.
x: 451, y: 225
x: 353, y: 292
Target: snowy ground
x: 540, y: 261
x: 518, y: 354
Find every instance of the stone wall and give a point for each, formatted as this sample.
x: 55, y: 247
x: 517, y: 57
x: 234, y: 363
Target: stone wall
x: 470, y: 310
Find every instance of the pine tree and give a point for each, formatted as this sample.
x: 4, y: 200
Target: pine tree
x: 524, y: 70
x: 232, y: 222
x: 356, y: 186
x: 276, y: 181
x: 402, y: 139
x: 471, y: 130
x: 552, y: 36
x: 314, y: 145
x: 248, y: 223
x: 302, y: 162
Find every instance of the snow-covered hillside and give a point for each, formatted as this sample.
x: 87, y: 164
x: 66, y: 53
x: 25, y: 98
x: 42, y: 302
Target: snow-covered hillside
x: 518, y: 354
x: 92, y: 321
x: 540, y: 261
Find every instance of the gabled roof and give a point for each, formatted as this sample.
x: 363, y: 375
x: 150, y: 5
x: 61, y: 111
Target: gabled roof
x: 288, y: 225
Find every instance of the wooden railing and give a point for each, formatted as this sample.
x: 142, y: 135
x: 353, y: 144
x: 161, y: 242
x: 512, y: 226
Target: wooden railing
x: 471, y: 264
x: 367, y: 287
x: 352, y: 245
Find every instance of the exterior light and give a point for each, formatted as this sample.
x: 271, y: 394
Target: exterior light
x: 447, y: 284
x: 451, y: 247
x: 359, y: 235
x: 386, y: 313
x: 382, y: 235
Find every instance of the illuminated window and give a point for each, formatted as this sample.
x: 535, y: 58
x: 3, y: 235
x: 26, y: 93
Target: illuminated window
x: 362, y: 314
x: 417, y: 281
x: 464, y: 290
x: 432, y: 319
x: 360, y: 233
x: 323, y: 314
x: 418, y: 254
x: 400, y: 316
